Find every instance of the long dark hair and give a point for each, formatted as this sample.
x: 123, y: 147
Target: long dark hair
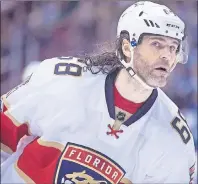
x: 107, y: 59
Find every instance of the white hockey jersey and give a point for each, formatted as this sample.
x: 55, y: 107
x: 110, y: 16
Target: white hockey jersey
x: 68, y: 110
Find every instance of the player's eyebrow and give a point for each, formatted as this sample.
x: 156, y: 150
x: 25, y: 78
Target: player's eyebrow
x: 163, y: 40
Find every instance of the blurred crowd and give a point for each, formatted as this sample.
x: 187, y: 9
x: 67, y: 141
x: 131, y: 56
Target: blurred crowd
x: 32, y: 31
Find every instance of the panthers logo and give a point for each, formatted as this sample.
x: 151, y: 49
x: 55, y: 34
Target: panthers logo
x: 80, y: 178
x: 82, y: 165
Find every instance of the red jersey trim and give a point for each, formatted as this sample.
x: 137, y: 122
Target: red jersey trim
x: 11, y: 131
x: 56, y: 145
x: 26, y: 178
x: 125, y: 104
x: 42, y: 167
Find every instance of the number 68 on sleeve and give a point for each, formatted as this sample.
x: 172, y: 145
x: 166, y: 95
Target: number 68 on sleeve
x: 180, y: 125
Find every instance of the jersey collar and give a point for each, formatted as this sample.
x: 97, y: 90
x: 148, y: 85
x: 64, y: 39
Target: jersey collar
x: 109, y: 94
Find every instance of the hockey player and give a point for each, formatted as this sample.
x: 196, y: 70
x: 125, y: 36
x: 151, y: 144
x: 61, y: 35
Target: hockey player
x: 113, y: 127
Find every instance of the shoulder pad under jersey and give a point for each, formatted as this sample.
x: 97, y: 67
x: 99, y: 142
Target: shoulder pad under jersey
x: 57, y: 67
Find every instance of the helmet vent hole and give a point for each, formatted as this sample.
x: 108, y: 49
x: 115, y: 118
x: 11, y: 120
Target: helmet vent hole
x: 146, y: 22
x: 151, y: 23
x: 157, y: 25
x: 141, y: 13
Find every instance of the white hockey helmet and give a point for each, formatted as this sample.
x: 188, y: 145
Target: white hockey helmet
x: 148, y: 17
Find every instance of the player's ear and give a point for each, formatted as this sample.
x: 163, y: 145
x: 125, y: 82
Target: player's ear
x: 126, y: 49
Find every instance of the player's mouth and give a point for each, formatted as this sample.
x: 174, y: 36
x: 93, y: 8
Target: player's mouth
x: 162, y: 69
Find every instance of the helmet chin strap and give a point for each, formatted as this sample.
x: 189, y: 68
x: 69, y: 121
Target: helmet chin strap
x: 129, y: 68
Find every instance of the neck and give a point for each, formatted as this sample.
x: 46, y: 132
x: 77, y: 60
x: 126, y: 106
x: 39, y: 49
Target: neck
x: 130, y: 88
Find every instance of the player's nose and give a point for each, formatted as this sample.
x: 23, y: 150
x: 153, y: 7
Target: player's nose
x: 167, y: 56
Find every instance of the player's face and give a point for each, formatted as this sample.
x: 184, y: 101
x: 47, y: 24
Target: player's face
x: 154, y: 58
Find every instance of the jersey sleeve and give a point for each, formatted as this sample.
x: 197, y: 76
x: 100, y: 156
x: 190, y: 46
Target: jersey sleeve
x: 174, y: 166
x: 15, y: 95
x: 15, y: 122
x: 192, y: 160
x: 11, y: 132
x: 46, y: 73
x: 25, y: 104
x: 34, y: 81
x: 19, y: 105
x: 183, y: 169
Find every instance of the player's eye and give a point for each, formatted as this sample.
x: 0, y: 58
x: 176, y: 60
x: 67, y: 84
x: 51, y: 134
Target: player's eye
x: 173, y: 48
x: 156, y: 44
